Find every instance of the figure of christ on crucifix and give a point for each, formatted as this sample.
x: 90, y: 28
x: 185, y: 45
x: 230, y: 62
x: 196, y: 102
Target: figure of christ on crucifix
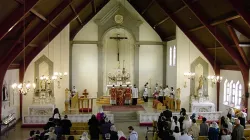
x: 118, y: 38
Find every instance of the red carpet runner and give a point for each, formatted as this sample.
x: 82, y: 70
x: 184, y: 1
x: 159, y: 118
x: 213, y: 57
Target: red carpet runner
x: 123, y: 108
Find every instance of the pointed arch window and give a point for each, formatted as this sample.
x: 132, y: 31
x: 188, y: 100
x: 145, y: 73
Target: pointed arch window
x: 232, y: 93
x: 174, y: 56
x: 239, y: 95
x: 170, y: 56
x: 225, y: 91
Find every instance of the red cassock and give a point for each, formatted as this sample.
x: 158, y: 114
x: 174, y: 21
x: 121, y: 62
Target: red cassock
x: 113, y: 93
x: 120, y: 96
x: 127, y: 94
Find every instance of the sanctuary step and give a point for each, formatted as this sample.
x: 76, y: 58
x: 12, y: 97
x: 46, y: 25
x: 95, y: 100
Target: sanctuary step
x: 106, y: 100
x: 125, y: 117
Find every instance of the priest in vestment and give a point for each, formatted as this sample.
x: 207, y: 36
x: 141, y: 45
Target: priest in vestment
x: 127, y: 95
x: 119, y: 96
x: 112, y: 93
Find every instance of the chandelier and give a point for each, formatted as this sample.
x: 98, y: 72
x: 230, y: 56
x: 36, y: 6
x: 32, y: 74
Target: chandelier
x: 189, y: 75
x: 215, y: 78
x: 24, y: 87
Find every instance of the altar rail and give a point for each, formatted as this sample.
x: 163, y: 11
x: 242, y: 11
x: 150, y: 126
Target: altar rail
x: 148, y: 118
x: 43, y: 119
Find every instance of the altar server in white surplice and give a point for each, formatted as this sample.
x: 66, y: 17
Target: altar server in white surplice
x: 166, y: 92
x: 74, y: 90
x: 156, y: 92
x: 161, y: 94
x: 145, y: 93
x: 134, y: 95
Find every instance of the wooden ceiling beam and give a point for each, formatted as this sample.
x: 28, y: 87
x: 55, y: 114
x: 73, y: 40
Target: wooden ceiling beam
x: 230, y: 67
x: 216, y: 23
x: 40, y: 27
x: 167, y: 18
x: 15, y: 17
x: 199, y: 46
x: 33, y: 11
x: 239, y: 7
x: 148, y: 6
x: 224, y: 43
x: 55, y: 32
x: 14, y: 66
x: 236, y: 42
x: 75, y: 31
x: 17, y: 41
x: 42, y: 17
x: 219, y: 37
x: 76, y: 14
x: 94, y: 6
x: 239, y: 29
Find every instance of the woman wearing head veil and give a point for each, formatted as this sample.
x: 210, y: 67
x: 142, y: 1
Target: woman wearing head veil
x: 213, y: 132
x: 100, y: 114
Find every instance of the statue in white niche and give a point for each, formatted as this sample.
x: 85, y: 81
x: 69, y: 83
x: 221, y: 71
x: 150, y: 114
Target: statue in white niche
x: 200, y: 86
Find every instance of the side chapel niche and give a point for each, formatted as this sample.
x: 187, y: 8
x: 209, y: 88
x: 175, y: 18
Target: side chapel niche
x: 199, y: 84
x: 44, y: 92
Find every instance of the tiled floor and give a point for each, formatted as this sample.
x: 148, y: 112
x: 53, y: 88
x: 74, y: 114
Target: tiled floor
x: 23, y: 133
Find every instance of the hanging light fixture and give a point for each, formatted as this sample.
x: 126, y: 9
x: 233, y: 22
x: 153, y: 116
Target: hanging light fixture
x: 24, y: 87
x: 189, y: 75
x: 59, y: 75
x: 215, y: 78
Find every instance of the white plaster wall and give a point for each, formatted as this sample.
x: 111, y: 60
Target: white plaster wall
x: 147, y: 33
x: 89, y: 32
x: 85, y: 68
x: 229, y: 75
x: 11, y: 76
x: 171, y: 70
x: 150, y: 56
x: 55, y: 55
x: 150, y: 66
x: 183, y: 65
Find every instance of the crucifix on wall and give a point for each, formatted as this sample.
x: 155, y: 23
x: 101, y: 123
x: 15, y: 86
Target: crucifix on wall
x: 118, y: 38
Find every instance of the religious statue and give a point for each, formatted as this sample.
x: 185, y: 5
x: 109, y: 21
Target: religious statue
x: 5, y: 92
x: 200, y: 86
x: 43, y: 85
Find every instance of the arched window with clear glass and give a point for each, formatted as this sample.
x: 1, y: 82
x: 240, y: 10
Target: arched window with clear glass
x: 233, y: 94
x: 170, y: 56
x: 174, y: 56
x: 225, y: 92
x: 239, y: 95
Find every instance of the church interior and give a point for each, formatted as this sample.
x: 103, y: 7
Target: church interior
x: 129, y: 60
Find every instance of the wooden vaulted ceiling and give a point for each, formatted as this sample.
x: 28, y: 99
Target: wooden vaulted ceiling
x: 214, y: 26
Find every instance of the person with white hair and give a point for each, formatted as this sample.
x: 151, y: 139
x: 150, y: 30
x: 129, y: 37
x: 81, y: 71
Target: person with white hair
x: 186, y: 123
x: 121, y: 135
x: 238, y: 131
x: 113, y: 133
x: 84, y: 136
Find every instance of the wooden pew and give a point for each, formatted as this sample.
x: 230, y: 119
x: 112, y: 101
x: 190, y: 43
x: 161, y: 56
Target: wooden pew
x: 247, y: 133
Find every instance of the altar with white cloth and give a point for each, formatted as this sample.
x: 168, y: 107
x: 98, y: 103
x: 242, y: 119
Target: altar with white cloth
x: 202, y: 107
